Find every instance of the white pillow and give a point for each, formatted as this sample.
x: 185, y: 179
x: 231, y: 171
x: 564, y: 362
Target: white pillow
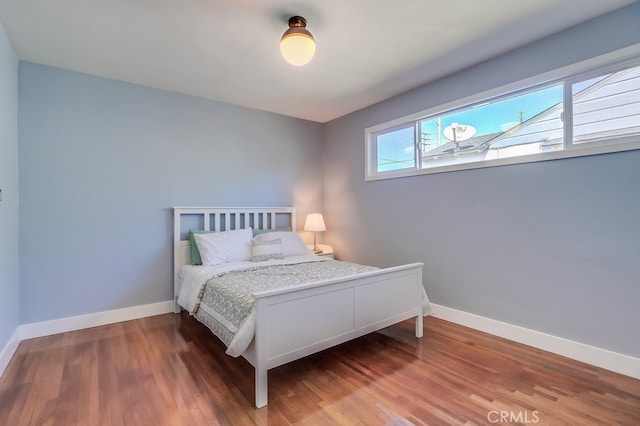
x: 223, y: 247
x: 292, y: 244
x: 265, y: 250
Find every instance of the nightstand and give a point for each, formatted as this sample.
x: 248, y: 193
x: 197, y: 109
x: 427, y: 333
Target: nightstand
x: 327, y: 250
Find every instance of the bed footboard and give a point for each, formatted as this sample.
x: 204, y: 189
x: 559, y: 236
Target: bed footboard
x: 294, y: 323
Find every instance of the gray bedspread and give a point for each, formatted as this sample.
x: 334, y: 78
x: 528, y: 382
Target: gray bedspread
x: 226, y: 305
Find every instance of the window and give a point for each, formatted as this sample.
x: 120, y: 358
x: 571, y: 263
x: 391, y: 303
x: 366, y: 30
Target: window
x: 579, y: 114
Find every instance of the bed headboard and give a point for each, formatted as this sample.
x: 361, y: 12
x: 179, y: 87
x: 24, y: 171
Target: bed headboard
x: 221, y: 219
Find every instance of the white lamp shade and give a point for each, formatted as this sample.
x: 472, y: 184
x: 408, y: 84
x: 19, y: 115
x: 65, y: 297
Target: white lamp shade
x: 314, y: 223
x: 297, y: 48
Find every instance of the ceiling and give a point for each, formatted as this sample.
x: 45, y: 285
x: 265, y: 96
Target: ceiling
x: 227, y: 50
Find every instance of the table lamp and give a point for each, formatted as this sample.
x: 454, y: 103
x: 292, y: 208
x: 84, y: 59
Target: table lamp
x: 315, y: 224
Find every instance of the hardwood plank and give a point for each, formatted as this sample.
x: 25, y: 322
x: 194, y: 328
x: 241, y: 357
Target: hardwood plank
x: 170, y: 370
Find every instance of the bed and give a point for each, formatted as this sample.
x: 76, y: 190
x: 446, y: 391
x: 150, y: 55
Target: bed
x: 287, y: 322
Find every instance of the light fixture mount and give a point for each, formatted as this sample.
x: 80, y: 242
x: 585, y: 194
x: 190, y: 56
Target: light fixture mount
x: 297, y: 44
x: 297, y: 21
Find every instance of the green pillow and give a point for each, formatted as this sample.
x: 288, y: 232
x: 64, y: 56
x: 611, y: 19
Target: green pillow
x: 264, y: 231
x: 195, y: 253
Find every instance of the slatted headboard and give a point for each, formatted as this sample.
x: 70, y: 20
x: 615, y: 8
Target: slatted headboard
x: 220, y: 219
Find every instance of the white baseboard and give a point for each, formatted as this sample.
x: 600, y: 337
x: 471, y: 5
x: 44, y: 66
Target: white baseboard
x: 603, y: 358
x: 47, y: 328
x: 8, y: 351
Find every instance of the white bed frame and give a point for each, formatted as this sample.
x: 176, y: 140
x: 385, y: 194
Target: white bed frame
x: 295, y: 322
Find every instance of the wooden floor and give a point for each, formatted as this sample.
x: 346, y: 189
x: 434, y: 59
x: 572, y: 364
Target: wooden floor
x: 169, y: 370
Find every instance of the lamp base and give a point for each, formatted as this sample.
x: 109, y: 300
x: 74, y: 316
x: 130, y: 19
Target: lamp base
x: 316, y: 249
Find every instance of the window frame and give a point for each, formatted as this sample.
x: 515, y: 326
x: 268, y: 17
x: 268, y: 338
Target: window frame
x: 604, y: 64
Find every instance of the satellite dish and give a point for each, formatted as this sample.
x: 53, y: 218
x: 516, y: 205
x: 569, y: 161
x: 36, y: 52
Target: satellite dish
x: 458, y: 132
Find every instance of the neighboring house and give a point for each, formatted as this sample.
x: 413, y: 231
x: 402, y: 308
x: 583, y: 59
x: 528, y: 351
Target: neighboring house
x: 607, y: 107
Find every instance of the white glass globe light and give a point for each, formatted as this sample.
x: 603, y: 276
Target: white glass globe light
x: 297, y: 44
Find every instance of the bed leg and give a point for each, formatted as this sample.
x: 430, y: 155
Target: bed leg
x: 176, y: 307
x: 419, y: 325
x: 261, y: 388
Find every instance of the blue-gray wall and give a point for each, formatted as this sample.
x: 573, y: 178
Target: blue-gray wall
x: 9, y: 294
x: 551, y: 246
x: 101, y: 163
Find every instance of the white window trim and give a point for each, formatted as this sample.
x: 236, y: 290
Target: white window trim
x: 568, y: 73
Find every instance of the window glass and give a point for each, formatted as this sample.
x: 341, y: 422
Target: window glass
x: 607, y: 107
x: 539, y: 128
x: 395, y: 150
x: 516, y: 125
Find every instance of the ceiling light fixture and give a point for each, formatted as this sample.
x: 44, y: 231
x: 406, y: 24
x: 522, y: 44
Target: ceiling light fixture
x: 297, y: 44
